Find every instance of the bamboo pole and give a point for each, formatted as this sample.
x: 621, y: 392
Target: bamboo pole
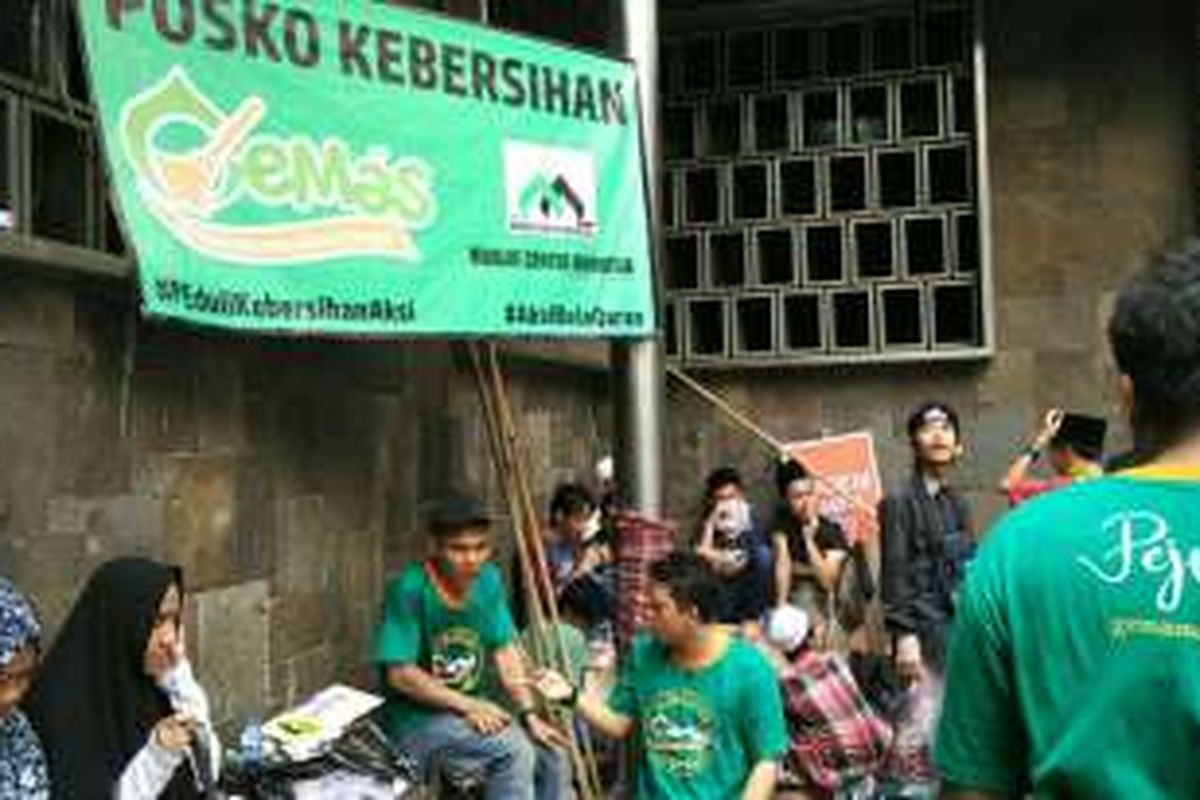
x: 504, y: 472
x: 506, y: 447
x: 584, y: 763
x: 778, y: 448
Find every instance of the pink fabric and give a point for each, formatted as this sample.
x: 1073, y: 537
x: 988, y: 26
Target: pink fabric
x: 640, y: 542
x: 837, y: 739
x: 1031, y: 488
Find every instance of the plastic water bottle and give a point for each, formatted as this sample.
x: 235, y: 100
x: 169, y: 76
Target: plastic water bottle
x: 250, y: 745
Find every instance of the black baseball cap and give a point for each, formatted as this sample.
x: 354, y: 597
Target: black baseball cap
x: 1082, y: 433
x: 456, y: 511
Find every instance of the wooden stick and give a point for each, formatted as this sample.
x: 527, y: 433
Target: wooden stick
x: 778, y: 448
x: 584, y: 762
x: 504, y: 473
x: 504, y: 440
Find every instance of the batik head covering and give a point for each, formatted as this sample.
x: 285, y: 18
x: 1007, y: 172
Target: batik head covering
x: 18, y: 625
x: 93, y: 704
x: 22, y: 763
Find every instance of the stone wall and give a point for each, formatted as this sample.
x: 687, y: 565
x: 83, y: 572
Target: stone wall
x: 284, y: 476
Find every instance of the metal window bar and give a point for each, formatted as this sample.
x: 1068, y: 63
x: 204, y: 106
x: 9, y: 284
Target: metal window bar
x: 824, y: 254
x: 852, y: 319
x: 956, y: 313
x: 841, y: 247
x: 802, y: 323
x: 48, y: 128
x: 755, y: 330
x: 707, y: 328
x: 925, y: 246
x: 775, y: 256
x: 902, y: 318
x: 8, y: 164
x: 797, y: 188
x: 671, y: 328
x: 874, y: 249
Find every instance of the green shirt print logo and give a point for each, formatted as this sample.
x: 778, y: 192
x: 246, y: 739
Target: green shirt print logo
x: 1145, y: 550
x: 679, y: 732
x: 458, y: 658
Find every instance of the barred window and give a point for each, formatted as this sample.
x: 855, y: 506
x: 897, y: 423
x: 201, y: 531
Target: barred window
x: 820, y: 196
x: 52, y: 185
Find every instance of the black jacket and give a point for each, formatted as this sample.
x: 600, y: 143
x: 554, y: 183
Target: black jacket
x: 927, y: 540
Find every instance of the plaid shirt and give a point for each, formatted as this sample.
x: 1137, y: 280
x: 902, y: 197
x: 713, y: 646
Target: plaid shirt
x: 640, y: 542
x: 837, y: 739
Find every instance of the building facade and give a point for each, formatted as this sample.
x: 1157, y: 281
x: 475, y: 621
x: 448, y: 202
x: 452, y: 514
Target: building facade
x: 869, y: 204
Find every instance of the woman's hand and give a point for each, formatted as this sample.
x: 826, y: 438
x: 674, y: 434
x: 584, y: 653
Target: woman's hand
x: 175, y: 733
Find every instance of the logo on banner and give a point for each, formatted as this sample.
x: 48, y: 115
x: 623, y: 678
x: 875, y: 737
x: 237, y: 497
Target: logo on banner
x: 200, y: 169
x: 551, y: 190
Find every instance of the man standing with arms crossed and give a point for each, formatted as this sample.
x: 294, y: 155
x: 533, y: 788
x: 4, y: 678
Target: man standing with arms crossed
x: 704, y: 706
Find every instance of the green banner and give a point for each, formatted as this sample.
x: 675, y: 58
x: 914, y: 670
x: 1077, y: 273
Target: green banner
x: 350, y: 168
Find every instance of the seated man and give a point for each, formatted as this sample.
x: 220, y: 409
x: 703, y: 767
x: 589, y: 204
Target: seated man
x: 445, y: 621
x: 804, y: 541
x: 579, y: 558
x: 734, y: 547
x: 837, y: 742
x: 703, y: 704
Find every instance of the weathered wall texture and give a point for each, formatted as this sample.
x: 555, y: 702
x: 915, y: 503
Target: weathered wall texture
x: 284, y: 476
x: 1092, y: 113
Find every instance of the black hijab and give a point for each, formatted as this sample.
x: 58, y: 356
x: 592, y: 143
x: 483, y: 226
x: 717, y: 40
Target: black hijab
x: 93, y: 704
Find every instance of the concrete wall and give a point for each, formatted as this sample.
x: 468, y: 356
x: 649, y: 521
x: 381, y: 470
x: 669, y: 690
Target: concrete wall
x: 284, y: 476
x: 1092, y: 118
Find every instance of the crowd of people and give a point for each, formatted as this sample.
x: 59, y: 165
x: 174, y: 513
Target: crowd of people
x: 1057, y: 660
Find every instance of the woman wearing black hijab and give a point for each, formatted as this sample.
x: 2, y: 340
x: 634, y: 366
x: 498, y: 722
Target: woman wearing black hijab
x: 99, y: 704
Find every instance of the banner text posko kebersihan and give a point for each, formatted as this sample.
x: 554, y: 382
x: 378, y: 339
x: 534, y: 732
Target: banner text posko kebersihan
x: 368, y: 169
x: 362, y: 51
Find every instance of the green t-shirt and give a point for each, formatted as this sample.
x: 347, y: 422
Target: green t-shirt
x: 548, y: 639
x: 700, y: 732
x: 1074, y: 667
x: 454, y: 645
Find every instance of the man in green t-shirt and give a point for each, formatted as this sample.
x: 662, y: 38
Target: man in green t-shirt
x: 1074, y: 667
x: 446, y: 627
x: 704, y: 705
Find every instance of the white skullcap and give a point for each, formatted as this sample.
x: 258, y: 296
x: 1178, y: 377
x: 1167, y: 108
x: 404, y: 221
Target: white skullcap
x: 604, y: 470
x: 787, y: 628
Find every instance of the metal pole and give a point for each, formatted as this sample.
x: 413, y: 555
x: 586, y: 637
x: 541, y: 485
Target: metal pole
x: 638, y: 378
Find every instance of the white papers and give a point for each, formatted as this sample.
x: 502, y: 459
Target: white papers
x: 309, y: 729
x: 348, y: 786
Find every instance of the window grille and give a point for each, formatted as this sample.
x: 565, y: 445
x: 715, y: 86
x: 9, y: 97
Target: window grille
x: 820, y: 194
